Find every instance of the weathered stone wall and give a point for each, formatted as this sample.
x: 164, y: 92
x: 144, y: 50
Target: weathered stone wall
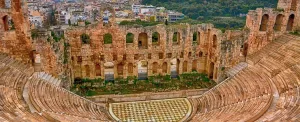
x: 201, y: 55
x: 267, y: 24
x: 15, y: 42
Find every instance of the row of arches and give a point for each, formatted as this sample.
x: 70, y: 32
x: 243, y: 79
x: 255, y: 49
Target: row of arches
x: 278, y: 23
x: 156, y: 39
x: 172, y: 67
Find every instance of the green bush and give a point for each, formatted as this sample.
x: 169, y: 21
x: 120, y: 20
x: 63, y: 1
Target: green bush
x: 85, y: 38
x: 107, y: 38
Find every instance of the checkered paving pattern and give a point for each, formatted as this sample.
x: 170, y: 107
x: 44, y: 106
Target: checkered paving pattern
x: 171, y: 110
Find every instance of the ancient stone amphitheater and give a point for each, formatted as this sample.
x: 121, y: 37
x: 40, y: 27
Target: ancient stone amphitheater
x: 265, y: 89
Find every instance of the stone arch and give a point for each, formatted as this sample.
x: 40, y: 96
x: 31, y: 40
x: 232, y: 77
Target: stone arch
x: 165, y: 67
x: 111, y: 19
x: 176, y: 38
x: 109, y: 71
x: 278, y: 23
x: 107, y: 38
x: 245, y: 50
x: 87, y: 70
x: 215, y: 41
x: 5, y: 23
x: 194, y: 65
x: 130, y: 68
x: 196, y: 37
x: 264, y: 22
x: 142, y: 70
x: 143, y: 40
x: 200, y: 54
x: 98, y: 69
x: 155, y: 38
x: 174, y: 67
x: 120, y: 68
x: 185, y: 66
x: 155, y: 68
x: 294, y: 5
x: 129, y: 38
x: 211, y: 70
x: 290, y: 23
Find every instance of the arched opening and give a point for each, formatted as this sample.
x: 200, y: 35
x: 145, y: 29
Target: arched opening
x: 109, y: 71
x: 185, y: 66
x: 154, y: 67
x: 85, y: 38
x: 98, y: 69
x: 87, y: 70
x: 264, y: 22
x: 194, y: 67
x: 294, y: 5
x: 245, y: 52
x: 278, y: 23
x: 174, y: 68
x: 142, y: 70
x: 130, y: 68
x: 120, y: 69
x: 176, y: 38
x: 107, y: 38
x: 290, y: 23
x: 211, y: 70
x: 165, y: 67
x: 143, y: 40
x: 155, y: 38
x: 5, y: 23
x: 196, y: 38
x: 215, y: 41
x: 200, y: 54
x: 129, y: 38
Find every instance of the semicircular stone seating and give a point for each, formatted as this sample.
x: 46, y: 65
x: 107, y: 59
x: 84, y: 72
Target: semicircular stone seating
x: 267, y: 90
x: 51, y: 102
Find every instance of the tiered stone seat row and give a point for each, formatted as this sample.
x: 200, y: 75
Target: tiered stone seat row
x: 268, y: 90
x: 51, y: 102
x: 48, y: 98
x: 47, y: 77
x: 12, y: 79
x: 244, y: 97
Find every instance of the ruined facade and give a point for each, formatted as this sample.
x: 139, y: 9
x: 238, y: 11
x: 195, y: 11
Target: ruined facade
x: 14, y: 31
x: 107, y: 50
x: 268, y: 23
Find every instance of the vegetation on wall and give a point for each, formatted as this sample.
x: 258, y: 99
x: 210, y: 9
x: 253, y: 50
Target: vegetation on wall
x: 85, y: 38
x: 131, y: 85
x: 139, y: 22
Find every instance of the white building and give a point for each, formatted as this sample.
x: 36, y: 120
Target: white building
x: 136, y: 8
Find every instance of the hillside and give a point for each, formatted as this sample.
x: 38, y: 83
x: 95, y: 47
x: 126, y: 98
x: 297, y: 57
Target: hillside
x: 196, y: 8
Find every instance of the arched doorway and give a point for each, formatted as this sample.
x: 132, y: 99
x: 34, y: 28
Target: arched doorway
x: 130, y: 68
x: 215, y: 41
x: 290, y: 23
x: 129, y: 38
x: 109, y: 71
x: 87, y: 70
x: 5, y: 23
x: 185, y: 66
x: 211, y: 70
x: 264, y: 22
x: 142, y: 70
x: 143, y: 40
x: 174, y: 68
x: 98, y: 69
x: 278, y: 23
x: 154, y: 68
x: 107, y: 38
x: 165, y: 67
x: 120, y: 69
x: 194, y: 66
